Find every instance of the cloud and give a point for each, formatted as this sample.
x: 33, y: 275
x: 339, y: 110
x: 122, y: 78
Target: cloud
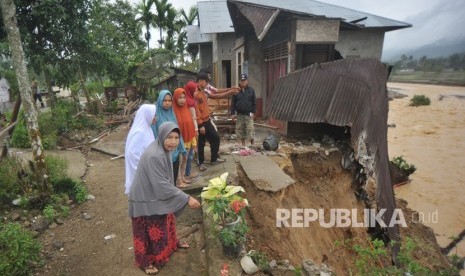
x: 442, y: 21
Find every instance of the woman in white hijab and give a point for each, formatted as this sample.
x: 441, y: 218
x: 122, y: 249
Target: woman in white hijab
x: 139, y: 138
x: 154, y: 202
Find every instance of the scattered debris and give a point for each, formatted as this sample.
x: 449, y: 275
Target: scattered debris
x: 111, y: 236
x: 116, y: 157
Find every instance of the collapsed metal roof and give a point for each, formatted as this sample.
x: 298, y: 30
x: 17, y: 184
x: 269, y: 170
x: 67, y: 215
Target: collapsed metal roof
x: 261, y: 18
x: 352, y: 93
x: 318, y: 9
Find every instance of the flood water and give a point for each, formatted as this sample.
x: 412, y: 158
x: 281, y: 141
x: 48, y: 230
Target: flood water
x: 433, y: 139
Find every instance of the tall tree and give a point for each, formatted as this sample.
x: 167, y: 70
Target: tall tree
x: 19, y: 63
x: 173, y: 26
x: 115, y: 37
x: 146, y: 17
x: 54, y: 33
x: 161, y: 20
x: 188, y: 19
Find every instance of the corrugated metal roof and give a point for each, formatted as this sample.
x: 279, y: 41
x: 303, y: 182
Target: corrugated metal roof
x: 262, y: 17
x: 214, y: 17
x: 195, y: 36
x: 349, y: 92
x: 316, y: 8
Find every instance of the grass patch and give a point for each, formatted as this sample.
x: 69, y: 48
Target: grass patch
x: 19, y: 250
x: 419, y: 100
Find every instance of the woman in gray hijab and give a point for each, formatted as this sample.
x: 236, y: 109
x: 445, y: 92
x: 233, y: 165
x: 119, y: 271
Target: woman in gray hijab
x: 154, y: 200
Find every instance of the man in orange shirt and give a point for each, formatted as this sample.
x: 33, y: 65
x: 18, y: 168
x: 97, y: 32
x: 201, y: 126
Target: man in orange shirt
x: 206, y: 130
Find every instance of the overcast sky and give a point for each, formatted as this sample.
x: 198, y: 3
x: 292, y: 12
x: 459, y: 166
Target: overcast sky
x: 432, y: 20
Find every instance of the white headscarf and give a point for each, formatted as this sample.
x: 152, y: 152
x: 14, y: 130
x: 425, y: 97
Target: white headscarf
x: 139, y: 137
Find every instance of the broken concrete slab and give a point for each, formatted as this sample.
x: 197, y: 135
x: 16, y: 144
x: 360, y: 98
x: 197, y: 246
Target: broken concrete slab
x: 113, y: 143
x: 265, y: 173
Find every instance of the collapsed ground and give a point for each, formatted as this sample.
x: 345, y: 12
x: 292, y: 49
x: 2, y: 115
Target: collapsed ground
x: 322, y: 183
x: 79, y: 247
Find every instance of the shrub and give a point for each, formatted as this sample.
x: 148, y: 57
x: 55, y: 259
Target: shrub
x: 74, y: 189
x: 80, y: 192
x: 48, y: 132
x: 418, y: 100
x: 402, y: 164
x: 57, y: 208
x: 49, y: 212
x: 20, y: 136
x: 57, y: 168
x: 9, y: 188
x: 18, y: 250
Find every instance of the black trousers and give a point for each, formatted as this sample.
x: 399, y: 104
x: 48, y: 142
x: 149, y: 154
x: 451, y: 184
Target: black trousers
x: 176, y: 169
x: 213, y: 139
x: 38, y: 97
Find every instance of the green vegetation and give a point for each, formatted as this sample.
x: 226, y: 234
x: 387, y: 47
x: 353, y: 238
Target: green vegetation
x: 9, y: 188
x: 418, y: 100
x: 18, y: 181
x: 260, y: 259
x: 374, y: 259
x: 54, y: 123
x: 234, y: 236
x: 19, y: 251
x: 442, y: 70
x: 402, y: 164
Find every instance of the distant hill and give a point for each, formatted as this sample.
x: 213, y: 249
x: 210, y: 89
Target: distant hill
x: 433, y: 50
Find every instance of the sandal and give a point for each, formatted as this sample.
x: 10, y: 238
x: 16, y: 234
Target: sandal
x: 183, y: 245
x: 202, y: 167
x: 150, y: 270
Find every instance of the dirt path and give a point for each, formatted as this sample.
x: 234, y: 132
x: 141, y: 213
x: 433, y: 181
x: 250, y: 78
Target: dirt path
x: 85, y: 250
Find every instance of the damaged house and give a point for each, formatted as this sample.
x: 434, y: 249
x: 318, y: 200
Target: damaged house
x: 268, y: 39
x: 311, y: 64
x: 281, y: 39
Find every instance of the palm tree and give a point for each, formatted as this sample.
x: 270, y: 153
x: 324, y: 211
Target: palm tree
x: 191, y: 16
x: 162, y: 7
x: 173, y: 25
x: 188, y: 19
x: 146, y: 17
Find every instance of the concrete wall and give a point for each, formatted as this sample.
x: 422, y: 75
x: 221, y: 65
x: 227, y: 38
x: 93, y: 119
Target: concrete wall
x: 206, y: 55
x: 361, y: 43
x: 223, y: 49
x: 255, y: 69
x: 313, y: 31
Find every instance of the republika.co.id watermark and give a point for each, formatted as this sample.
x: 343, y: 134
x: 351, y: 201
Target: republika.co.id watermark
x: 343, y: 218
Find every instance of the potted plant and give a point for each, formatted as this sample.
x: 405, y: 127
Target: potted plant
x: 226, y: 208
x: 232, y: 239
x: 223, y: 203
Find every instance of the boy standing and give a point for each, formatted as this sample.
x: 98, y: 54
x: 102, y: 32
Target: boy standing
x: 206, y: 130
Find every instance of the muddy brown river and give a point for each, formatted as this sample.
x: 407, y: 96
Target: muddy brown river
x: 433, y: 139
